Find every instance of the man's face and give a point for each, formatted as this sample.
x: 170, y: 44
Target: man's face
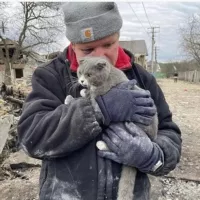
x: 106, y: 47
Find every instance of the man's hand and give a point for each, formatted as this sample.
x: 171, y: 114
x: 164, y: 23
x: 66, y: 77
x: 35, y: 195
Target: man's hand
x: 123, y: 104
x: 131, y: 146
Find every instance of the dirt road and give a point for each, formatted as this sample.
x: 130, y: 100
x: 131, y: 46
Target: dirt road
x: 184, y: 102
x: 181, y: 184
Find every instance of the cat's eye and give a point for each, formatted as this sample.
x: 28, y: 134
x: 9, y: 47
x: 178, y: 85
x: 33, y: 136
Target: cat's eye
x: 88, y: 75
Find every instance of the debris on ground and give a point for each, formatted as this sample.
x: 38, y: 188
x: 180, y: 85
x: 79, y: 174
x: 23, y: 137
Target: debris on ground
x: 19, y: 174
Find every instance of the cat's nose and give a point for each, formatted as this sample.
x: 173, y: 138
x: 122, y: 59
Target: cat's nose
x: 82, y: 81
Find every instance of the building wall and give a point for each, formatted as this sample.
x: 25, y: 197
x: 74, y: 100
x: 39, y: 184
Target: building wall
x: 138, y: 48
x: 1, y: 76
x: 27, y: 68
x: 141, y: 60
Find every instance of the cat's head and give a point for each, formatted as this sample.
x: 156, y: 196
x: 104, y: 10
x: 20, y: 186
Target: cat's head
x: 93, y: 71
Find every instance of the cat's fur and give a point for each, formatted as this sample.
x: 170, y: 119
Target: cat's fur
x: 98, y: 75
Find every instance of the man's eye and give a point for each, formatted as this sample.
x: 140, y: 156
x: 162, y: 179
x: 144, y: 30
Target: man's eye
x: 87, y: 51
x: 108, y: 45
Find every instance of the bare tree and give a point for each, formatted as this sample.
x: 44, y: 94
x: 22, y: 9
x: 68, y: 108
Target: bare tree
x: 33, y: 26
x: 190, y: 37
x: 4, y: 53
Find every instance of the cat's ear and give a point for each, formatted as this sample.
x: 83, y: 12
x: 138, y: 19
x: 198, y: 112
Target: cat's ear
x: 101, y: 65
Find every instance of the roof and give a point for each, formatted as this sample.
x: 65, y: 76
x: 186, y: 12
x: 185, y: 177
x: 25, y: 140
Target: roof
x: 9, y: 42
x: 135, y: 46
x: 37, y: 57
x: 34, y: 55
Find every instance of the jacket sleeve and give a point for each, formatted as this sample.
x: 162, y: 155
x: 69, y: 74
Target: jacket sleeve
x: 169, y: 134
x: 47, y: 127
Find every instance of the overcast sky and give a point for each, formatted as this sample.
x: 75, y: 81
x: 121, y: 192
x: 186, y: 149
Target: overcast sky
x: 167, y: 15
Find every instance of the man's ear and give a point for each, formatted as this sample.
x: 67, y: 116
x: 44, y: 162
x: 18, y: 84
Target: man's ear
x: 101, y: 65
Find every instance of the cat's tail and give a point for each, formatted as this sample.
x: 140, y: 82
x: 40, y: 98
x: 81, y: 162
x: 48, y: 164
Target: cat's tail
x: 127, y: 179
x: 126, y: 183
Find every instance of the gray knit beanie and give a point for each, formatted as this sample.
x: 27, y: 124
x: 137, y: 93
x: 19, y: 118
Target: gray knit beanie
x: 89, y: 21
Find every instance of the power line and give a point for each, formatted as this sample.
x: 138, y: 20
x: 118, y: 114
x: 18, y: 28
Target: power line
x: 146, y: 15
x: 153, y: 37
x: 138, y: 19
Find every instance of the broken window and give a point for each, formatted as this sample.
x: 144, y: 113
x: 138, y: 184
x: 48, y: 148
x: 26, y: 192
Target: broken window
x: 19, y: 73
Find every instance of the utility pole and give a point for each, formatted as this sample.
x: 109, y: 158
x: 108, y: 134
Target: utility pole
x: 155, y: 55
x: 152, y: 46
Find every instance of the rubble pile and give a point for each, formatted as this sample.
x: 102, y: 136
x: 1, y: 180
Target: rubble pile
x: 12, y: 96
x: 22, y: 87
x: 13, y: 161
x: 4, y: 107
x: 8, y: 140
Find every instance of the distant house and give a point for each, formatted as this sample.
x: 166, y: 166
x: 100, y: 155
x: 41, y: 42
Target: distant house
x: 24, y: 65
x: 138, y: 48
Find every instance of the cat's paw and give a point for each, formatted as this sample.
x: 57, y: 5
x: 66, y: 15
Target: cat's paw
x: 101, y: 145
x: 83, y: 92
x: 68, y: 99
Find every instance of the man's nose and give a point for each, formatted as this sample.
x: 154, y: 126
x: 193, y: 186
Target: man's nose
x: 99, y: 51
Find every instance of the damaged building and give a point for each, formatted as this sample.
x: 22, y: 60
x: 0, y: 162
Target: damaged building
x: 24, y: 65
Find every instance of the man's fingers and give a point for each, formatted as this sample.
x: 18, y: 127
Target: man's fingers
x: 111, y: 145
x: 109, y: 155
x: 118, y: 130
x: 144, y: 102
x: 142, y: 119
x: 148, y: 111
x: 140, y: 93
x: 133, y: 129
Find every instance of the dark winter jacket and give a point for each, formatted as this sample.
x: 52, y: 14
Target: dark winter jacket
x: 65, y: 140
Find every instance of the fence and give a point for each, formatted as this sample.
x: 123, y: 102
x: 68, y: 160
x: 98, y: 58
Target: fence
x: 191, y: 76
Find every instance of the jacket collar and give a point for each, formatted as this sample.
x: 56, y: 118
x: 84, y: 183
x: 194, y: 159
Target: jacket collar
x: 123, y: 61
x: 131, y: 72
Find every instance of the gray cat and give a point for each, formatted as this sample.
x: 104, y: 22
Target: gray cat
x: 98, y: 76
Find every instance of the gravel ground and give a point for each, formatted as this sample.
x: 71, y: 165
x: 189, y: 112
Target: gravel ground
x: 181, y: 184
x: 184, y: 102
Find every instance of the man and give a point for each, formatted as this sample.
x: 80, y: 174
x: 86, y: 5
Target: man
x: 65, y: 136
x: 175, y: 77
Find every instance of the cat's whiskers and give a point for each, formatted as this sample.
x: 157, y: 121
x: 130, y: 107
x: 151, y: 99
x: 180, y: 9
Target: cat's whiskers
x: 73, y: 86
x: 74, y: 78
x: 71, y: 83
